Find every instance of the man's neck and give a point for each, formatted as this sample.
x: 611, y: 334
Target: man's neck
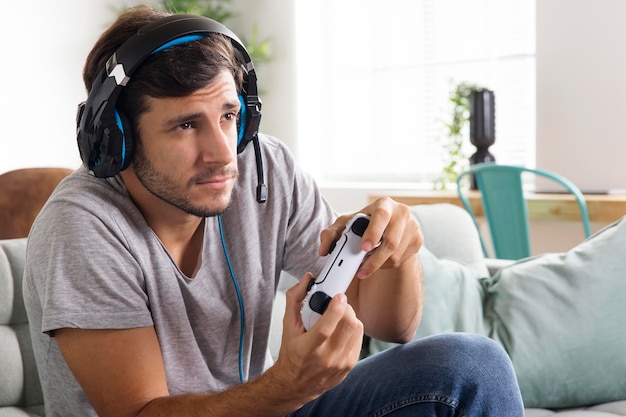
x: 181, y: 233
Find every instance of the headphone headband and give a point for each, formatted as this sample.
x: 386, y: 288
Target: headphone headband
x: 103, y: 134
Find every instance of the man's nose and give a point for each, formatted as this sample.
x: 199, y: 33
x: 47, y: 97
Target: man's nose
x: 219, y: 145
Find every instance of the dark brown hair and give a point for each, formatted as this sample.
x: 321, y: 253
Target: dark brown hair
x: 176, y: 71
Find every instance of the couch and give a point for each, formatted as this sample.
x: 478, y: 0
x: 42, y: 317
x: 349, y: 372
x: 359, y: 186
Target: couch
x: 462, y: 290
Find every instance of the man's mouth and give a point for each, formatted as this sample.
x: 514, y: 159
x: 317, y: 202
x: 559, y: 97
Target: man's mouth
x: 216, y: 183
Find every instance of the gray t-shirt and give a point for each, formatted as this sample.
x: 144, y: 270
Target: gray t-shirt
x: 93, y: 263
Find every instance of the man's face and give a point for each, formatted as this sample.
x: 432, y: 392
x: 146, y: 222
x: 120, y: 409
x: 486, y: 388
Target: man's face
x: 188, y: 151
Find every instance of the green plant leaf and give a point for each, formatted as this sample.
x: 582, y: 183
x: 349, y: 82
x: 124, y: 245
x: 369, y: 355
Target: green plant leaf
x: 221, y: 10
x: 259, y: 49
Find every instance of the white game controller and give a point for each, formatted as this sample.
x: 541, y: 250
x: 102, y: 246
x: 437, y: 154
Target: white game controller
x: 343, y: 262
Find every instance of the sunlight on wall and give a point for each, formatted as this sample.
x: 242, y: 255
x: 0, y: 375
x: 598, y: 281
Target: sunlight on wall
x: 42, y: 61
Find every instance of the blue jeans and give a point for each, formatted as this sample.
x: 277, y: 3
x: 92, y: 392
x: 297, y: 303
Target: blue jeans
x: 457, y: 374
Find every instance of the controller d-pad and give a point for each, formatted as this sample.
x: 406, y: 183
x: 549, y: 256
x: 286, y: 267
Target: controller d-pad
x: 319, y: 302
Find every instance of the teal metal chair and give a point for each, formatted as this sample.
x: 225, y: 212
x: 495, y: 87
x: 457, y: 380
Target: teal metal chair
x: 505, y: 207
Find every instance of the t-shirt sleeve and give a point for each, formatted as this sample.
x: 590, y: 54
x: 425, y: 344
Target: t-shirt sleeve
x: 82, y: 282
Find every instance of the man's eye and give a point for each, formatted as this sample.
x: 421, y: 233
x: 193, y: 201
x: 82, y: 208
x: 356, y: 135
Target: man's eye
x: 232, y: 116
x: 185, y: 126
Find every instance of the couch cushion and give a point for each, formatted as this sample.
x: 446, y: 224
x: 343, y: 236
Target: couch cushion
x: 22, y: 412
x: 616, y: 408
x: 19, y: 381
x: 455, y: 289
x: 12, y: 252
x: 562, y: 319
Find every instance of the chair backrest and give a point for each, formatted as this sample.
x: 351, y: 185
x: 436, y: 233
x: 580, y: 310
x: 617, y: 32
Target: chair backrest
x: 20, y: 390
x: 505, y: 207
x: 23, y: 192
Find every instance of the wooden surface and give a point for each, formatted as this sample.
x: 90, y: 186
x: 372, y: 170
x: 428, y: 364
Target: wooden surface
x: 602, y: 207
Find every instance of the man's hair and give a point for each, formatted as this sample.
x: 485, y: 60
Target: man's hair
x: 176, y: 71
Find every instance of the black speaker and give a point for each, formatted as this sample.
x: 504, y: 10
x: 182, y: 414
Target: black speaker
x: 482, y: 127
x: 482, y: 118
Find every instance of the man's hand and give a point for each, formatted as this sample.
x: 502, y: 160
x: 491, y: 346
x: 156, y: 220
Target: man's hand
x: 390, y: 221
x: 310, y: 363
x: 389, y: 301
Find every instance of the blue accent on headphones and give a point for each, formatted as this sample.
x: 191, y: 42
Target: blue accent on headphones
x: 178, y: 41
x: 242, y: 119
x: 118, y: 120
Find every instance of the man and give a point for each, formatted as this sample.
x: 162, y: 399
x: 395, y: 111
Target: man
x: 149, y: 283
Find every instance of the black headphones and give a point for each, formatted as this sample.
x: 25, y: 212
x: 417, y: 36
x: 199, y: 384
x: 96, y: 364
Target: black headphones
x: 104, y: 135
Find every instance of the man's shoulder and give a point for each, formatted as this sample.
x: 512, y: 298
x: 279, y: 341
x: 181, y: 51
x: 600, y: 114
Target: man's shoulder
x: 82, y: 188
x: 83, y: 202
x: 273, y: 145
x: 276, y: 154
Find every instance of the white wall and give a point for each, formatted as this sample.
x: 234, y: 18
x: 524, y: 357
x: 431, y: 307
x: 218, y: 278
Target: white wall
x: 277, y: 79
x: 44, y: 47
x: 581, y: 85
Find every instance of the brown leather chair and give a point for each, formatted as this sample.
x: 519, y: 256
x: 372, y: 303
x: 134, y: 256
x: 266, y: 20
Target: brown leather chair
x: 23, y: 192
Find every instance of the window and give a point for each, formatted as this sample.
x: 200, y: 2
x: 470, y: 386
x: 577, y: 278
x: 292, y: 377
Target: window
x: 374, y: 79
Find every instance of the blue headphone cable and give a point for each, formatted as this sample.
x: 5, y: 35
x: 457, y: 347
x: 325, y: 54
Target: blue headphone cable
x: 242, y: 327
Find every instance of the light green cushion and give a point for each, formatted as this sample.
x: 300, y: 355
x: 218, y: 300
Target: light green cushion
x: 562, y: 319
x: 453, y: 299
x: 19, y: 380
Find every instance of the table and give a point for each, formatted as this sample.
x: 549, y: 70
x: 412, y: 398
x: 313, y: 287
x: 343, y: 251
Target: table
x: 605, y: 208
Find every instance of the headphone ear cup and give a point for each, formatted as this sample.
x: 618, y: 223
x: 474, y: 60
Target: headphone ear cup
x: 249, y: 119
x: 105, y: 149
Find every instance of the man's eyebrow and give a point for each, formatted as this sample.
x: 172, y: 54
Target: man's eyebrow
x: 183, y: 118
x: 177, y: 120
x: 232, y: 105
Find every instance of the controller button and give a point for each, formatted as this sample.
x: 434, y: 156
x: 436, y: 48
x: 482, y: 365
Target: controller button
x: 319, y: 302
x: 359, y: 226
x: 310, y: 284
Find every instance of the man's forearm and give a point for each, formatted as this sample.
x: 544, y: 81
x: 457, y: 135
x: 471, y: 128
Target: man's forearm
x: 266, y: 396
x: 390, y: 302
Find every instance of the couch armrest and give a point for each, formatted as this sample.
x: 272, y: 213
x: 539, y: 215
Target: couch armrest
x: 450, y: 233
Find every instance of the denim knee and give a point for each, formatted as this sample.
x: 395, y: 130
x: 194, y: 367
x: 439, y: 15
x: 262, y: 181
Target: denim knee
x: 472, y: 371
x: 479, y: 369
x: 455, y: 374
